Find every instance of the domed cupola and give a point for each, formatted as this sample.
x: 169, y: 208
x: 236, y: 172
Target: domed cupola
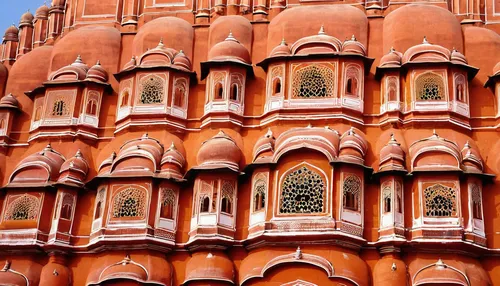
x: 172, y: 163
x: 159, y: 56
x: 26, y: 19
x: 105, y: 167
x: 9, y: 101
x: 353, y: 147
x: 263, y: 149
x: 182, y: 61
x: 353, y: 46
x: 458, y: 58
x: 11, y: 34
x: 74, y: 170
x: 97, y: 73
x: 426, y: 52
x: 75, y: 71
x: 322, y: 43
x: 471, y: 159
x: 42, y: 12
x: 219, y: 152
x: 391, y: 59
x: 281, y: 50
x: 229, y: 50
x: 58, y: 3
x: 392, y: 156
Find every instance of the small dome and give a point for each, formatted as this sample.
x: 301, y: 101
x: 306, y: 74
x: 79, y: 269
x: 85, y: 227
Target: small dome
x: 263, y: 149
x: 458, y: 58
x: 97, y: 72
x: 172, y: 163
x: 203, y: 266
x: 11, y: 34
x: 352, y: 46
x: 75, y: 71
x: 105, y: 166
x: 426, y: 52
x: 496, y: 69
x: 182, y: 61
x: 471, y: 159
x: 391, y: 59
x: 230, y: 50
x: 9, y: 101
x: 317, y: 44
x: 392, y: 156
x: 26, y: 18
x: 219, y: 152
x: 435, y: 154
x: 42, y: 12
x: 58, y: 3
x: 281, y: 50
x: 138, y: 156
x: 74, y: 170
x: 353, y: 147
x: 159, y: 56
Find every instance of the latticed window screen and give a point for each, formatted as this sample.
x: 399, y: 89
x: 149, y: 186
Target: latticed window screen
x: 352, y: 192
x: 151, y: 90
x: 314, y: 81
x: 227, y: 197
x: 25, y: 207
x: 440, y: 201
x: 476, y: 202
x: 129, y: 203
x: 429, y: 86
x: 167, y: 203
x: 399, y: 197
x: 387, y: 195
x: 303, y: 191
x: 99, y: 204
x: 60, y: 108
x: 259, y: 195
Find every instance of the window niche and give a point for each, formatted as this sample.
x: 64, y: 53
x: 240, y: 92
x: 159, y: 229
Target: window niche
x: 167, y: 209
x: 351, y: 190
x: 99, y: 209
x: 429, y: 86
x: 24, y: 207
x: 440, y: 201
x: 302, y: 192
x: 151, y: 90
x: 129, y: 203
x: 313, y: 81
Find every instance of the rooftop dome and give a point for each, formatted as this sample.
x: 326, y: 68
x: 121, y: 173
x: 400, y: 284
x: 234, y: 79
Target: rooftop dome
x: 98, y: 73
x: 352, y: 46
x: 316, y: 44
x: 435, y: 154
x: 172, y: 163
x: 26, y: 18
x: 58, y: 3
x: 353, y: 147
x: 42, y: 12
x: 280, y: 50
x: 74, y: 170
x: 219, y: 152
x: 75, y: 71
x: 203, y: 266
x: 182, y: 61
x: 471, y: 159
x: 159, y: 56
x: 263, y: 149
x: 229, y: 50
x: 9, y: 101
x: 392, y: 156
x: 105, y: 167
x: 426, y: 52
x: 47, y: 162
x: 11, y: 34
x: 457, y: 57
x: 391, y: 59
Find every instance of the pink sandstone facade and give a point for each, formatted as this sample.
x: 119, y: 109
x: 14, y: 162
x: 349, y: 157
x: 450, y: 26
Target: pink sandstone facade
x: 281, y: 142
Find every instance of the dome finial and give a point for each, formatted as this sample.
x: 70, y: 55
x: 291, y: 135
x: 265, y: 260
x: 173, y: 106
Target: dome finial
x: 269, y: 133
x: 78, y: 153
x: 434, y: 133
x: 79, y: 59
x: 440, y: 263
x: 160, y: 44
x: 172, y: 147
x: 392, y: 50
x: 6, y: 266
x: 353, y: 38
x: 298, y: 253
x: 309, y: 125
x: 98, y: 63
x: 230, y: 37
x: 283, y: 42
x: 322, y: 30
x: 425, y: 40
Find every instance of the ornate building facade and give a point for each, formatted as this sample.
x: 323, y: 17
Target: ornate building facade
x: 283, y: 142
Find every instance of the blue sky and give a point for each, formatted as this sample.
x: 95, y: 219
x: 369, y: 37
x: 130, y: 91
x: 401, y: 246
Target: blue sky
x: 11, y: 11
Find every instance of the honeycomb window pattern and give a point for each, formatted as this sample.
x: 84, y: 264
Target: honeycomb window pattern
x: 152, y: 90
x: 129, y: 203
x: 313, y: 81
x: 440, y: 201
x: 23, y: 208
x: 430, y: 87
x: 303, y: 192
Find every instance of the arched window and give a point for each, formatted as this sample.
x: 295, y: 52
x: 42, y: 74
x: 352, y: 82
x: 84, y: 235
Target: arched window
x: 234, y: 92
x: 429, y: 86
x: 227, y: 198
x: 2, y: 123
x: 25, y: 207
x: 179, y: 96
x: 387, y: 199
x: 259, y: 197
x: 97, y: 210
x: 477, y: 211
x: 204, y: 204
x: 129, y: 203
x: 276, y: 86
x: 66, y: 211
x: 352, y: 86
x: 460, y: 92
x: 440, y: 201
x: 218, y: 91
x: 302, y: 191
x: 38, y: 113
x: 91, y: 107
x: 352, y: 192
x: 167, y: 204
x: 399, y: 202
x: 60, y: 108
x: 313, y: 81
x: 460, y: 82
x: 124, y: 100
x: 151, y: 90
